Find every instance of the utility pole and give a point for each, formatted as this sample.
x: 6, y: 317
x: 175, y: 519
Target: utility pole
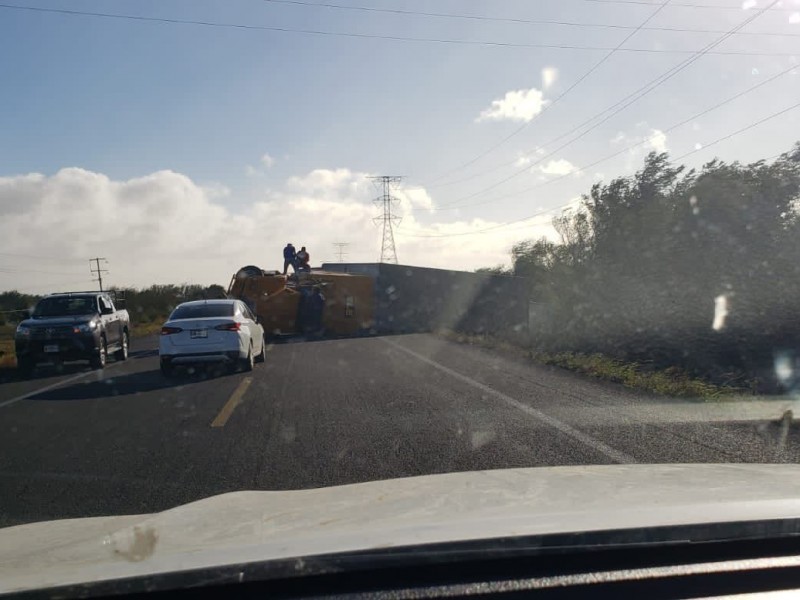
x: 97, y: 270
x: 385, y: 184
x: 340, y: 250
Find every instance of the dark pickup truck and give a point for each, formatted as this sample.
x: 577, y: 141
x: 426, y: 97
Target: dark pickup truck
x: 73, y: 326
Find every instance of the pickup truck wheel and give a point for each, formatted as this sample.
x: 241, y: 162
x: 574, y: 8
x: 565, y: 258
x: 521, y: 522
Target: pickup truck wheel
x: 122, y: 353
x: 98, y: 361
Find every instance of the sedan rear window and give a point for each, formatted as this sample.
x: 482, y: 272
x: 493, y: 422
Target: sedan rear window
x: 199, y: 311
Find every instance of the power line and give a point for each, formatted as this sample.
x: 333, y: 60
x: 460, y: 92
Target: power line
x: 50, y: 285
x: 386, y: 201
x: 575, y: 84
x: 17, y: 271
x: 43, y: 258
x: 370, y: 36
x: 682, y: 156
x: 630, y: 147
x: 520, y: 21
x: 619, y: 106
x: 686, y: 5
x: 737, y: 132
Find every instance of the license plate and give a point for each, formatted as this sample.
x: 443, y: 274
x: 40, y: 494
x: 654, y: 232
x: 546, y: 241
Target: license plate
x: 198, y: 333
x: 53, y: 348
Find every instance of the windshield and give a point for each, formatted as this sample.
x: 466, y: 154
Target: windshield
x: 66, y: 306
x: 344, y: 242
x: 200, y: 311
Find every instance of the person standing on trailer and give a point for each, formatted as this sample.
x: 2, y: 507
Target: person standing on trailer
x: 289, y: 258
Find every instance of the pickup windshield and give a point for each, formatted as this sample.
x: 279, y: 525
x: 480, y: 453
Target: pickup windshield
x: 65, y: 306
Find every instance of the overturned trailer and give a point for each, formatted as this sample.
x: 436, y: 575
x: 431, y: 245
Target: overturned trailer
x: 284, y: 307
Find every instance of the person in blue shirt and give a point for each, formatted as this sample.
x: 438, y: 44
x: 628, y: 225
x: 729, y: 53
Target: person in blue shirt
x: 289, y: 258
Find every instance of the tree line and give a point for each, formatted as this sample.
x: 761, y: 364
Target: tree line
x: 678, y: 267
x: 145, y: 305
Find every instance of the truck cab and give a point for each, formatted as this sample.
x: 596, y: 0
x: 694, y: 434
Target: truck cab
x: 72, y: 326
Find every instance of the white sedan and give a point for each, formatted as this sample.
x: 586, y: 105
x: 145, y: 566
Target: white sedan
x: 211, y: 331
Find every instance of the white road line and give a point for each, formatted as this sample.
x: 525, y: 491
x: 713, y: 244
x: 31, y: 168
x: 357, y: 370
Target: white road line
x: 595, y: 444
x: 55, y: 385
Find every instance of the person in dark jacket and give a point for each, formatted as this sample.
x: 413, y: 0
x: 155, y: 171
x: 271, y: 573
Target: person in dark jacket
x: 289, y: 258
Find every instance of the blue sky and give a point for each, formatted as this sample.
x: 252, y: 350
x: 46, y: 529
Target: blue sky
x: 123, y: 100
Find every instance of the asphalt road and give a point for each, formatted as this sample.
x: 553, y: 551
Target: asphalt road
x: 126, y: 440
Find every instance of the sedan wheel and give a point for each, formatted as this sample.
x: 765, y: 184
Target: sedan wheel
x: 263, y: 356
x: 247, y: 363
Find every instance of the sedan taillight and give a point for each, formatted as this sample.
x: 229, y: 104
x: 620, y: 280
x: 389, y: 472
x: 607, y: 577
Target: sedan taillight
x: 170, y: 330
x: 235, y: 326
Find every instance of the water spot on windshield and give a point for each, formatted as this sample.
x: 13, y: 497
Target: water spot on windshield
x: 135, y: 544
x: 720, y: 312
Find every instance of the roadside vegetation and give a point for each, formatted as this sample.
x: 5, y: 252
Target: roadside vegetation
x: 673, y: 275
x: 7, y: 358
x: 670, y: 381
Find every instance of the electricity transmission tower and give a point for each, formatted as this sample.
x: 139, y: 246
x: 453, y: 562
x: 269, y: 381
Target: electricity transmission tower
x: 385, y: 184
x: 340, y: 250
x: 97, y: 270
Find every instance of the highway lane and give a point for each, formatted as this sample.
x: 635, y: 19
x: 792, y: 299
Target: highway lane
x: 127, y: 440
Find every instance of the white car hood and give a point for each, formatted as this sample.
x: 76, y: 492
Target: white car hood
x: 243, y: 527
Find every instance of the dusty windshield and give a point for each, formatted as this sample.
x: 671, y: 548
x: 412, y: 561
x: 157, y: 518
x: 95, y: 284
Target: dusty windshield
x: 435, y: 241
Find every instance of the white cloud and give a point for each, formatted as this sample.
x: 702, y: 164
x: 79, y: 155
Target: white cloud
x: 644, y: 139
x: 523, y: 161
x: 794, y: 18
x: 549, y: 77
x: 267, y: 161
x: 648, y: 138
x: 519, y: 105
x: 657, y: 140
x: 620, y: 137
x: 748, y: 4
x: 557, y: 167
x: 165, y: 228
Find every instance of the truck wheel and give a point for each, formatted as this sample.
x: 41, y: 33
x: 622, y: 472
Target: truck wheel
x: 98, y: 361
x: 122, y: 353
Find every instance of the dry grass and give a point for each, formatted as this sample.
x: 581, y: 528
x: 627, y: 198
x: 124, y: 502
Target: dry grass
x: 7, y: 358
x: 139, y: 330
x: 669, y: 382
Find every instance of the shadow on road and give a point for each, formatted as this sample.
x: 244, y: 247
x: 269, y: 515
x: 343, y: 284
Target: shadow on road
x: 126, y: 385
x: 43, y: 372
x: 47, y: 370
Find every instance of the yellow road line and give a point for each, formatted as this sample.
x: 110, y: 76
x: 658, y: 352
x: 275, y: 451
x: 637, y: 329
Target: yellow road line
x: 232, y: 403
